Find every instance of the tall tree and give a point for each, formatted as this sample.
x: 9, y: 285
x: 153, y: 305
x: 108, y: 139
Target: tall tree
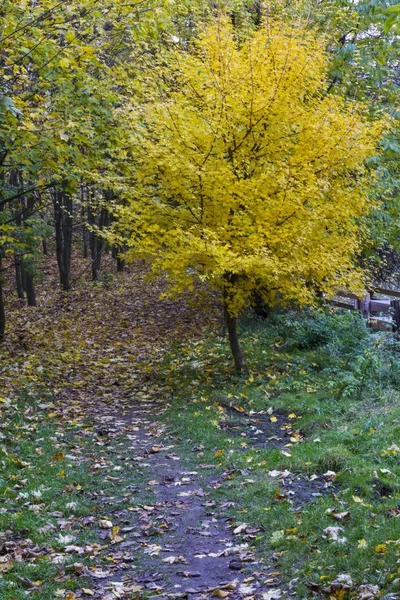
x: 247, y: 174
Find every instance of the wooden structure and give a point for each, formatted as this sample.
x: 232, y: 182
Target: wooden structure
x: 382, y: 314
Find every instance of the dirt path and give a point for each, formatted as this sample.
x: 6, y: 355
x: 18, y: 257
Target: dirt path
x: 184, y: 542
x: 98, y: 351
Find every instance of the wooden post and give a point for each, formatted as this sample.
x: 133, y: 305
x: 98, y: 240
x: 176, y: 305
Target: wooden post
x: 395, y: 304
x: 363, y: 306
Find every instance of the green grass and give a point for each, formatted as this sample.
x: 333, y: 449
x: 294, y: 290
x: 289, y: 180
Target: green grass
x: 344, y: 387
x: 48, y: 484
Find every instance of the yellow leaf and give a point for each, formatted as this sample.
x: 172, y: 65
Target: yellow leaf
x: 6, y: 565
x: 64, y: 63
x: 220, y: 593
x: 58, y: 456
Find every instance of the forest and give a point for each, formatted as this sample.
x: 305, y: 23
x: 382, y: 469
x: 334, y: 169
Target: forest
x: 199, y: 299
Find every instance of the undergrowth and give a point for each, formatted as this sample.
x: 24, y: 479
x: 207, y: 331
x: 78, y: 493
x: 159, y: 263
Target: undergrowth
x: 337, y: 387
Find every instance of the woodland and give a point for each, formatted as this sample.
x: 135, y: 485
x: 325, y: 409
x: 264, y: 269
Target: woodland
x: 187, y: 188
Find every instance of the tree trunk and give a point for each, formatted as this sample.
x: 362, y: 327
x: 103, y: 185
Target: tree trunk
x: 120, y: 264
x: 18, y: 258
x: 120, y: 258
x: 92, y: 243
x: 85, y: 253
x: 44, y: 247
x: 30, y: 268
x: 30, y: 290
x: 2, y: 309
x: 99, y: 240
x: 23, y: 275
x: 231, y: 324
x: 63, y: 230
x: 18, y: 275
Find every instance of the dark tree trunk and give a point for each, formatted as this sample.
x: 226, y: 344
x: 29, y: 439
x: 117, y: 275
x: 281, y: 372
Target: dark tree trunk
x: 85, y: 252
x: 23, y: 275
x: 63, y: 230
x: 18, y: 258
x: 29, y: 270
x: 120, y: 264
x: 231, y: 323
x: 120, y: 258
x: 30, y: 290
x: 92, y: 243
x: 18, y: 275
x: 44, y: 247
x: 2, y: 310
x: 99, y: 239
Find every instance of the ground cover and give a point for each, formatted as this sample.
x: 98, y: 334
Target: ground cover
x: 323, y: 486
x: 135, y: 463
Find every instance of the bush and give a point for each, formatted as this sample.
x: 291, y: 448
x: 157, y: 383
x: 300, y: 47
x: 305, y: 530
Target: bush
x: 311, y: 329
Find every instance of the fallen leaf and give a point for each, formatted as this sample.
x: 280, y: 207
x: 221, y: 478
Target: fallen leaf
x: 173, y: 560
x: 273, y: 594
x: 334, y: 534
x: 240, y: 528
x: 342, y: 516
x: 105, y: 524
x: 220, y: 593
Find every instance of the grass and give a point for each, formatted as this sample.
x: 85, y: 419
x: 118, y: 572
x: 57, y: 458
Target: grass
x: 341, y: 386
x: 52, y: 496
x: 318, y: 375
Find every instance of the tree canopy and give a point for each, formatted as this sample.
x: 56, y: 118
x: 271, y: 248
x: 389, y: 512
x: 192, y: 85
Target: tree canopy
x: 248, y: 175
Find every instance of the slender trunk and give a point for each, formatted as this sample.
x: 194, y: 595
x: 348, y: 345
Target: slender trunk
x: 84, y: 228
x: 23, y: 275
x: 2, y: 309
x: 120, y: 264
x: 231, y: 323
x: 63, y: 232
x: 29, y: 272
x: 30, y: 290
x: 67, y: 232
x: 44, y: 247
x: 120, y: 258
x: 18, y: 275
x: 18, y: 258
x: 92, y: 244
x: 99, y: 240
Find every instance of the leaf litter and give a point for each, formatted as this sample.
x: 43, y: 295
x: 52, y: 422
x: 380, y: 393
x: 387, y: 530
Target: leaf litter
x: 93, y: 357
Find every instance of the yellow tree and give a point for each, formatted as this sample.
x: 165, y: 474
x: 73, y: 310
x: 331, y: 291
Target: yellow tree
x: 245, y: 173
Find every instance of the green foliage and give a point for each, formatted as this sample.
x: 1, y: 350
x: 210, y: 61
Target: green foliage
x: 329, y: 328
